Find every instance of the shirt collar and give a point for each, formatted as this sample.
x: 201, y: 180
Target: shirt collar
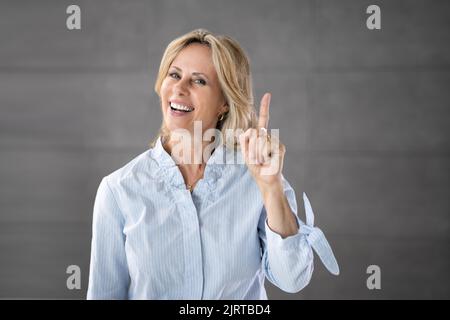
x: 216, y: 170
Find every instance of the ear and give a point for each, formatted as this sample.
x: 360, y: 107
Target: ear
x: 225, y: 108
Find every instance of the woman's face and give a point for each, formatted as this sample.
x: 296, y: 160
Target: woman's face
x: 191, y: 90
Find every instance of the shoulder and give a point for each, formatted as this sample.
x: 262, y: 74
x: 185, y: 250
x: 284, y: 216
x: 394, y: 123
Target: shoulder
x: 132, y: 171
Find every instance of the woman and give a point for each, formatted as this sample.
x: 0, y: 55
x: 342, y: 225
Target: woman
x: 203, y: 218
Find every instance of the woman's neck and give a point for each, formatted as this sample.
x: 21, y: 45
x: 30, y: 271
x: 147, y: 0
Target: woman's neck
x: 189, y: 153
x: 190, y: 157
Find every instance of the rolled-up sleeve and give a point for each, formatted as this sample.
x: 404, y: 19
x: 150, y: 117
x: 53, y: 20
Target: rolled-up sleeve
x: 108, y: 274
x: 289, y: 262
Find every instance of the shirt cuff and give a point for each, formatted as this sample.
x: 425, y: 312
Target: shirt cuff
x: 314, y: 237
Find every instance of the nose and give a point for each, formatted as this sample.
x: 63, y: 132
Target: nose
x: 181, y: 88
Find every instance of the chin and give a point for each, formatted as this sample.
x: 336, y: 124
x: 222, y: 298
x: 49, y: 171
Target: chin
x: 172, y: 125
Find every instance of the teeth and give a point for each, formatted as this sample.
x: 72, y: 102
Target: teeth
x: 180, y: 107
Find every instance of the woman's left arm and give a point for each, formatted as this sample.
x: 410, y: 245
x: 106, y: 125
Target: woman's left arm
x: 280, y: 217
x: 287, y: 242
x: 264, y: 156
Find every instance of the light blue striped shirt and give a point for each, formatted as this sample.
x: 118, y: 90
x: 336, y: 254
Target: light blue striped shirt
x: 153, y: 239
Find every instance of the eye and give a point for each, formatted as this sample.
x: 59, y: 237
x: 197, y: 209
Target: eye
x: 200, y: 81
x: 174, y: 75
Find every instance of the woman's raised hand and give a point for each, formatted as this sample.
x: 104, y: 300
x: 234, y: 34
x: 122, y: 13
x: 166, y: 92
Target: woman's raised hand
x: 263, y: 153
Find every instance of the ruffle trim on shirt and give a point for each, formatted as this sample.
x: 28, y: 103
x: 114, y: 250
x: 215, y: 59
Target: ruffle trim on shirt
x: 168, y: 171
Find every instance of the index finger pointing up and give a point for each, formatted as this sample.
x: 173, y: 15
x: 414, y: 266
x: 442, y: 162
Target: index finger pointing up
x: 263, y: 120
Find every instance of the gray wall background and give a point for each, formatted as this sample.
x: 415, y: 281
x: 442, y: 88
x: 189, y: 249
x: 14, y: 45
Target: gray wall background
x: 364, y: 115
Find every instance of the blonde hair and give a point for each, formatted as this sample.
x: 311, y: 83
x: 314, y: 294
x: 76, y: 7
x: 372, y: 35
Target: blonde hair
x: 233, y: 71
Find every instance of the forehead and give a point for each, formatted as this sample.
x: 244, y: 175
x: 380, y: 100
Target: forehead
x: 195, y: 58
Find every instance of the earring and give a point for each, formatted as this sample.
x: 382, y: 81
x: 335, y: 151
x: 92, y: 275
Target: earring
x: 221, y: 117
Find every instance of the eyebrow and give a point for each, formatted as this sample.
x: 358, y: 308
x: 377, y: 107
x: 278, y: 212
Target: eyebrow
x: 194, y: 73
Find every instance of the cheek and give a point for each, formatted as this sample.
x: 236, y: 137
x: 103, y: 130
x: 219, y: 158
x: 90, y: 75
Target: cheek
x: 208, y: 107
x: 164, y: 94
x: 210, y: 101
x: 164, y: 89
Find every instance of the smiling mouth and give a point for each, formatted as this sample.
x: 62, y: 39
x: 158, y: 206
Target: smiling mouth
x: 179, y: 107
